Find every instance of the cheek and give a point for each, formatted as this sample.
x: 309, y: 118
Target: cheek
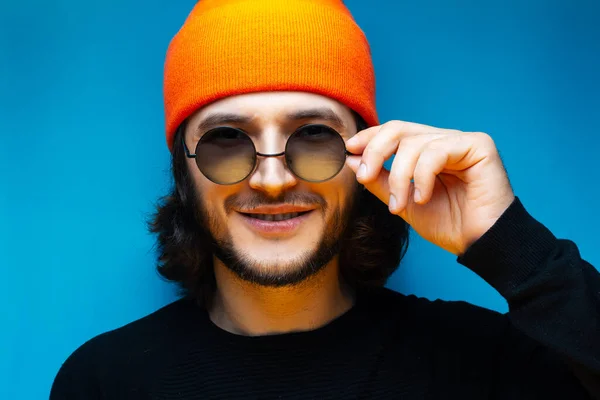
x: 337, y: 191
x: 346, y: 182
x: 209, y: 195
x: 348, y: 177
x: 200, y: 181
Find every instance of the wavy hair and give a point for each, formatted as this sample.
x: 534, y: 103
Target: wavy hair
x: 371, y: 247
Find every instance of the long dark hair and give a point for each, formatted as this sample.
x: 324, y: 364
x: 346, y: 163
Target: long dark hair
x: 372, y: 246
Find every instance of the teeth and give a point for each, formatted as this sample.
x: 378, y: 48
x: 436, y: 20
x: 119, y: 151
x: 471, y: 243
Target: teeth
x: 275, y: 217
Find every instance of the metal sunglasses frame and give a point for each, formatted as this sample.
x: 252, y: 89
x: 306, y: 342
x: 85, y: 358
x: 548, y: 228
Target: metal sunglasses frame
x: 259, y: 154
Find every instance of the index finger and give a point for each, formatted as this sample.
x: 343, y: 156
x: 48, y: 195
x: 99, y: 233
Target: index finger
x: 357, y: 143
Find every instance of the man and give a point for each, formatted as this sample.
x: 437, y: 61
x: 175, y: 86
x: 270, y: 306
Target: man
x: 283, y: 227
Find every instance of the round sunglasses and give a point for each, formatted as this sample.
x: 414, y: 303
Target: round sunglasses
x: 227, y: 155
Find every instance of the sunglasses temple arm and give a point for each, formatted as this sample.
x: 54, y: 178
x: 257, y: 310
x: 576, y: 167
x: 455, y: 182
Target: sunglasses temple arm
x: 186, y: 150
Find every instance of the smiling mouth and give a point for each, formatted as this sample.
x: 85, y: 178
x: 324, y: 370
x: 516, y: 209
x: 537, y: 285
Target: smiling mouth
x: 276, y: 217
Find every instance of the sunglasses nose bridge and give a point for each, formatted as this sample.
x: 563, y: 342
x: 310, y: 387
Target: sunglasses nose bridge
x: 258, y: 153
x: 271, y: 174
x: 267, y: 159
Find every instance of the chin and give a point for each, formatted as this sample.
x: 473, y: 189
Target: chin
x: 276, y: 252
x: 272, y: 267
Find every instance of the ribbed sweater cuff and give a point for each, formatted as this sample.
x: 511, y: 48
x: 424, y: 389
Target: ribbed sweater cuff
x: 510, y: 251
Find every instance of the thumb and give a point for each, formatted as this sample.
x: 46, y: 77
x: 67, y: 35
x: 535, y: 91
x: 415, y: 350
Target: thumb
x: 379, y: 186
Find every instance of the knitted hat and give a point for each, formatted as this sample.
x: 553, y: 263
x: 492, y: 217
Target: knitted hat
x: 229, y: 47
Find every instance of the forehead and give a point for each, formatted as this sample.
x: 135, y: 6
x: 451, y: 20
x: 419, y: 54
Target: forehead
x: 270, y: 106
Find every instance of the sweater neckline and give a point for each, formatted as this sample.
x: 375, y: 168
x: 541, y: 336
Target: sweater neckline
x: 352, y: 319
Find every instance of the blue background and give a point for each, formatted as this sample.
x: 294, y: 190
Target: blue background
x: 83, y: 157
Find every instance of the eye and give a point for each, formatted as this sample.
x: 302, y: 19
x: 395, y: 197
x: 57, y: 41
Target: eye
x: 231, y: 134
x: 226, y: 137
x: 315, y: 132
x: 224, y: 134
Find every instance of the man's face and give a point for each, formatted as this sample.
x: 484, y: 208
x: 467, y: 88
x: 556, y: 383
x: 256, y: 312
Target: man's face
x: 268, y: 252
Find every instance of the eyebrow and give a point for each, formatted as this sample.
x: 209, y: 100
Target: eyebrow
x: 221, y: 119
x: 324, y: 114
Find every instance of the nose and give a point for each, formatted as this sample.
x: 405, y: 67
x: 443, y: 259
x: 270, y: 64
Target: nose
x: 271, y: 175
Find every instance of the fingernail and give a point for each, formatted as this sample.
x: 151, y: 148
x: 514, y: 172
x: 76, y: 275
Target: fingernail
x: 417, y: 195
x: 362, y: 171
x: 392, y: 202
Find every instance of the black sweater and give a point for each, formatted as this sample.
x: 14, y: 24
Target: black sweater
x: 388, y: 346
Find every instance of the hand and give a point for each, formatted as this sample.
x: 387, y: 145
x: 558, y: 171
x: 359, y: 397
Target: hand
x: 460, y: 186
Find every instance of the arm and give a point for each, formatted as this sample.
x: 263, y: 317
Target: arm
x: 553, y: 294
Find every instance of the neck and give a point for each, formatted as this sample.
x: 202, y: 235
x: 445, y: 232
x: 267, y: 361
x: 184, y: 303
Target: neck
x: 248, y: 309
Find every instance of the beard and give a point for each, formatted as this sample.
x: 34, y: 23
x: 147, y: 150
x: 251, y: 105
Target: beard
x: 298, y: 270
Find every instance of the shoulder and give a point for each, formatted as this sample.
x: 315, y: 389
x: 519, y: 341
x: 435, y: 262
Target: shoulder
x: 162, y: 324
x: 440, y: 332
x: 383, y: 297
x: 128, y: 351
x: 442, y: 317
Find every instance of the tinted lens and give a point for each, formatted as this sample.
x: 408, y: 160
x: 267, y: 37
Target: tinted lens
x: 315, y: 153
x: 225, y: 155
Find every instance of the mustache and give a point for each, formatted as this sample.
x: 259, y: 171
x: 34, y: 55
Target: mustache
x: 249, y: 201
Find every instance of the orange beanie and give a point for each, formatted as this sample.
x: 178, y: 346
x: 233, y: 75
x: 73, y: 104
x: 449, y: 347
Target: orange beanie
x: 229, y: 47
